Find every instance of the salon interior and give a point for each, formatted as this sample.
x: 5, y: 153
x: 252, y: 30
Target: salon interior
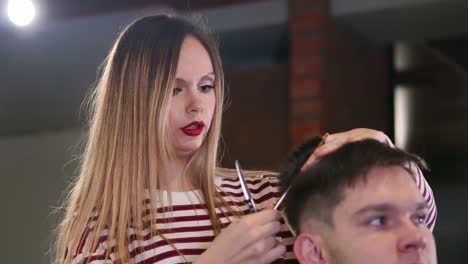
x: 294, y: 69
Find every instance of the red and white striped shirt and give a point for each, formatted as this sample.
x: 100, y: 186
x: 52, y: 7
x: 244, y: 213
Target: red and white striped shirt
x: 426, y: 192
x: 188, y: 226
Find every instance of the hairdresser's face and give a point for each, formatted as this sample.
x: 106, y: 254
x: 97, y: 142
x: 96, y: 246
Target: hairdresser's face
x: 193, y: 101
x: 380, y: 221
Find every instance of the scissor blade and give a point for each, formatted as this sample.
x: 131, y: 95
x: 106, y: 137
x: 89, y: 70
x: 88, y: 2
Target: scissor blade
x: 282, y: 198
x: 242, y: 181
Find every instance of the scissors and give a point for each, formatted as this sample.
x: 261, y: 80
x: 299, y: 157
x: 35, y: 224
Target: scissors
x: 245, y: 189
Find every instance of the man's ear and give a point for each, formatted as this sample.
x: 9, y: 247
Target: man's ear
x: 309, y: 249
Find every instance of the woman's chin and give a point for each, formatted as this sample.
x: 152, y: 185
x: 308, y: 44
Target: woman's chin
x: 187, y: 151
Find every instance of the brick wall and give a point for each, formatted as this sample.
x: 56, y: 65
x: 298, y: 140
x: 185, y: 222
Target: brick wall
x: 338, y: 80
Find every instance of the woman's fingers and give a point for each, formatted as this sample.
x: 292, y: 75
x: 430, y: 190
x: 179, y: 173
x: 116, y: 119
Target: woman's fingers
x: 268, y: 230
x: 312, y: 159
x: 253, y: 230
x: 247, y: 240
x: 335, y: 141
x: 273, y: 254
x: 262, y: 247
x: 262, y: 217
x: 266, y: 251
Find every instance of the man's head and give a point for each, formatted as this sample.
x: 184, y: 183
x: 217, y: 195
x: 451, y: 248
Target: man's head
x: 360, y: 204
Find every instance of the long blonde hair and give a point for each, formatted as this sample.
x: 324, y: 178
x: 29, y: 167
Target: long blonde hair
x: 127, y: 149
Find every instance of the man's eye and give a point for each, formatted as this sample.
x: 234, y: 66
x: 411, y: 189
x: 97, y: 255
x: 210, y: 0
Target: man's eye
x: 378, y: 221
x: 176, y: 91
x: 421, y: 219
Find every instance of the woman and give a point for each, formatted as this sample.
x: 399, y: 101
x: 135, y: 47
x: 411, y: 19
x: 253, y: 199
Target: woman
x: 149, y: 189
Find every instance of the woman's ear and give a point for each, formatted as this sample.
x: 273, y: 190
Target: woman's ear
x: 309, y: 249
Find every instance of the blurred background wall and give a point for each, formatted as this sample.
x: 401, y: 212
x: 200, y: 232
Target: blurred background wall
x: 294, y: 68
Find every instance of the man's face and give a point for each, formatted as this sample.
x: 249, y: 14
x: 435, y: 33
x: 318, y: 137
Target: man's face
x: 380, y: 220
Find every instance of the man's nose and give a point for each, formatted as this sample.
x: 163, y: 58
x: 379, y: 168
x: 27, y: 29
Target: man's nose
x: 413, y: 238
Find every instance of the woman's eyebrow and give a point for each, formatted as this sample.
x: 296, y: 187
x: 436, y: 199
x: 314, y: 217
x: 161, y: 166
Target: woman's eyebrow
x: 210, y: 76
x: 180, y: 81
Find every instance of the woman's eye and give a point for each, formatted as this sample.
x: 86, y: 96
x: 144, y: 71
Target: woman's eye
x: 176, y: 91
x: 206, y: 88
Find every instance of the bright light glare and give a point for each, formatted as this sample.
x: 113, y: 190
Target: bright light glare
x: 21, y: 12
x: 402, y: 115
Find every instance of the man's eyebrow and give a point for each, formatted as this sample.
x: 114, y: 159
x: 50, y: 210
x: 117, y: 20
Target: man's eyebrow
x: 384, y: 207
x: 422, y: 206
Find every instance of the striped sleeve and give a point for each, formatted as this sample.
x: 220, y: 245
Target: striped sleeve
x: 98, y: 254
x: 425, y: 190
x: 265, y: 191
x: 428, y: 195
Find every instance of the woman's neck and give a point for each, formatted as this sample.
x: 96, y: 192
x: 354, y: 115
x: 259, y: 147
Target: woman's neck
x: 178, y: 179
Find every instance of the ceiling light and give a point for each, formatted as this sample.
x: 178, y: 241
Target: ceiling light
x: 21, y: 12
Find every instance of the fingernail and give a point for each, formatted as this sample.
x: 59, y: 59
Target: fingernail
x: 278, y: 239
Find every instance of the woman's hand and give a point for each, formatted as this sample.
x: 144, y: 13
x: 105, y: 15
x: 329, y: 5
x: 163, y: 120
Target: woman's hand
x: 247, y: 240
x: 334, y: 141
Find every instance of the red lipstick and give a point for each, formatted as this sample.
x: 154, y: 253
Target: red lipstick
x: 193, y: 129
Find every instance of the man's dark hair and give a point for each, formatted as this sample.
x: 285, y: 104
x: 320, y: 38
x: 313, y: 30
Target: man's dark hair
x: 320, y: 188
x: 297, y: 159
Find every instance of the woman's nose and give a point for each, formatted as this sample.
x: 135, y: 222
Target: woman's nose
x: 195, y: 102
